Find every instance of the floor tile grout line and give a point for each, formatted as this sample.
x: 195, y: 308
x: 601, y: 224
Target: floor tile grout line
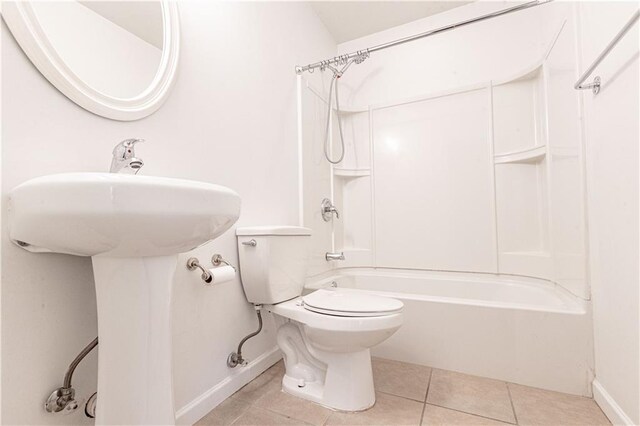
x: 329, y: 416
x: 285, y: 416
x: 242, y: 400
x: 472, y: 414
x: 242, y: 413
x: 327, y: 420
x: 250, y: 405
x: 426, y: 393
x: 253, y: 402
x: 400, y: 396
x: 513, y: 408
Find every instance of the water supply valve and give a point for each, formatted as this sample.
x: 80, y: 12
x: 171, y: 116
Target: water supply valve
x: 62, y: 400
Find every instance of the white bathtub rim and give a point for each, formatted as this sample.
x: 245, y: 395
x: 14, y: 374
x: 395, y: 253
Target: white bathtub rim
x: 435, y: 273
x: 471, y: 302
x: 572, y: 305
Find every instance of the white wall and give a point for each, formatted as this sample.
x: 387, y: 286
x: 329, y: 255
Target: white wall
x: 612, y: 136
x: 231, y: 120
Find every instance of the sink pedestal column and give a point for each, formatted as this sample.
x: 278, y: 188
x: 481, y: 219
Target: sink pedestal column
x: 135, y: 385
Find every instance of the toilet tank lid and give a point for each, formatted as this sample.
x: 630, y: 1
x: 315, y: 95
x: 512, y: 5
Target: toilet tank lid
x: 272, y: 230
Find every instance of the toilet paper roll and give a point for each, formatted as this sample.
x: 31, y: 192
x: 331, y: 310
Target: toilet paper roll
x: 222, y: 274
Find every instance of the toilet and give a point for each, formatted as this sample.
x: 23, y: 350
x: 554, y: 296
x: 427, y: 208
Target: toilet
x: 325, y: 336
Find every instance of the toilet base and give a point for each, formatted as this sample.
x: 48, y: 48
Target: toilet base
x: 348, y: 383
x: 338, y: 380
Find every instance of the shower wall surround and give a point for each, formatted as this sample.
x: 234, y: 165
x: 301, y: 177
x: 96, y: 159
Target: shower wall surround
x: 471, y: 151
x: 214, y: 127
x: 464, y: 150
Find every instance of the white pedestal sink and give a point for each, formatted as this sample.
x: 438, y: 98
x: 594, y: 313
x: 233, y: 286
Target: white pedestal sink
x: 133, y: 227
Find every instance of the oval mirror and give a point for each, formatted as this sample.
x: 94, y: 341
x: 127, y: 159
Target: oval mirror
x: 117, y: 59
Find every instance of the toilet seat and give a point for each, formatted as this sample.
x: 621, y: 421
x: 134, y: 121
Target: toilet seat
x: 343, y: 303
x: 295, y: 310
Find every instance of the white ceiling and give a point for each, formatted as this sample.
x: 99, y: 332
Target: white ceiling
x: 142, y: 18
x: 348, y: 20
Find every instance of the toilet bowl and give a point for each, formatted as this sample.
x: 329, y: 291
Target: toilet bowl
x: 327, y: 358
x: 325, y: 336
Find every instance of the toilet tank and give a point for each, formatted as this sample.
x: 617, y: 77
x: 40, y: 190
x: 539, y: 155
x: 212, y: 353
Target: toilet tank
x: 273, y: 262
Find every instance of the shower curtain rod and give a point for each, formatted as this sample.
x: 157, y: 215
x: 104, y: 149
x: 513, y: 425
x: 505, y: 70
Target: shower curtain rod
x: 360, y: 55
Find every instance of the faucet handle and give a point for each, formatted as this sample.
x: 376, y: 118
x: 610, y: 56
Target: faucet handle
x: 328, y: 210
x: 132, y: 141
x: 125, y: 149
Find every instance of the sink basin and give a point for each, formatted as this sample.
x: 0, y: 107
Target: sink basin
x: 133, y: 227
x: 91, y: 214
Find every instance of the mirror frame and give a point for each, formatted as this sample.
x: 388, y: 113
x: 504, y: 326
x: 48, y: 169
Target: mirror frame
x: 23, y: 24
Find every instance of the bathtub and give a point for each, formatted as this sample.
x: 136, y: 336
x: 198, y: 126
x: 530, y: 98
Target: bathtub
x: 515, y: 329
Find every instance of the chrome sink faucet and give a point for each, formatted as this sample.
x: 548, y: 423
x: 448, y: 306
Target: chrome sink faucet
x: 124, y: 158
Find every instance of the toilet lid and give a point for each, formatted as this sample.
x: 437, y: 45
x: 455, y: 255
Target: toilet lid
x: 350, y: 304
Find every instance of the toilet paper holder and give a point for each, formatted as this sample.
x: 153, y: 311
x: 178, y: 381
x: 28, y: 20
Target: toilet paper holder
x: 218, y: 260
x: 193, y: 263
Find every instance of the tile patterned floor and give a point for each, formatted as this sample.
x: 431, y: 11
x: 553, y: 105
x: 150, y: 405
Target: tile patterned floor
x: 408, y: 394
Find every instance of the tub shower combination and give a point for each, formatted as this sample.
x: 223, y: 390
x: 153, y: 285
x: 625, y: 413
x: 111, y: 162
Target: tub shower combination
x: 467, y: 203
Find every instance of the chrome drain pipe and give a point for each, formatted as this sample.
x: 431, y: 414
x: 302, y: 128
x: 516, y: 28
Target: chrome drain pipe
x: 63, y: 398
x: 235, y: 358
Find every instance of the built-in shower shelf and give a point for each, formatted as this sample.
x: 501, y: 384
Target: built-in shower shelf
x: 529, y: 73
x: 351, y: 173
x: 532, y: 155
x: 533, y: 253
x: 351, y: 110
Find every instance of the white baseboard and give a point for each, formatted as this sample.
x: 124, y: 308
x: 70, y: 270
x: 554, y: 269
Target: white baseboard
x: 200, y: 406
x: 609, y: 406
